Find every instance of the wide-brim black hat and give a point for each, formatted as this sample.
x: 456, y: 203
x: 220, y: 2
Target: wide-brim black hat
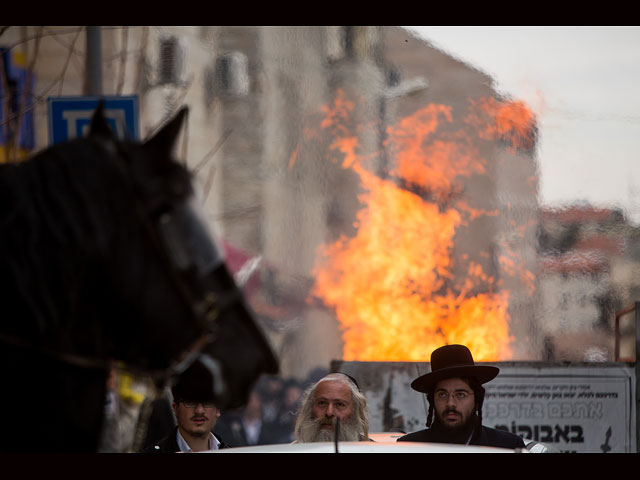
x: 453, y: 361
x: 195, y: 384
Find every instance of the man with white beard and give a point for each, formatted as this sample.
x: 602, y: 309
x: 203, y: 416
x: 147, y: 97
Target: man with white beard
x: 334, y: 403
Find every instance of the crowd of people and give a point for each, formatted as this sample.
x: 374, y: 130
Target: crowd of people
x: 269, y: 416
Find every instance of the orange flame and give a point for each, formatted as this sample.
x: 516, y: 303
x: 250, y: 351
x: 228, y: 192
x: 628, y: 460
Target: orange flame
x: 510, y: 121
x: 391, y: 284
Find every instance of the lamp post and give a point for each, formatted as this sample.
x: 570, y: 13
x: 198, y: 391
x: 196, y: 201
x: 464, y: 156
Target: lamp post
x: 94, y: 60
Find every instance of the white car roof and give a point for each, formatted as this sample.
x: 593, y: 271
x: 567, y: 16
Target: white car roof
x: 366, y: 447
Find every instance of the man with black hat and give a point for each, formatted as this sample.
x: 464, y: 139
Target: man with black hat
x: 455, y: 394
x: 196, y: 415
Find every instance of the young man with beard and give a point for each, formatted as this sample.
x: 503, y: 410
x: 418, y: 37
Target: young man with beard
x: 455, y: 392
x: 333, y: 404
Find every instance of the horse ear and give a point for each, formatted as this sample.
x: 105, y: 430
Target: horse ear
x: 166, y: 137
x: 99, y: 125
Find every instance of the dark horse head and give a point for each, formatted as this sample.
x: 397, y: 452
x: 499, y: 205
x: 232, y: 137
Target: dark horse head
x: 103, y: 257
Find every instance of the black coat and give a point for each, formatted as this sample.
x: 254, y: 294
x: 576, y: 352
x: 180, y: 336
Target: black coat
x: 169, y: 444
x: 485, y: 436
x: 231, y: 428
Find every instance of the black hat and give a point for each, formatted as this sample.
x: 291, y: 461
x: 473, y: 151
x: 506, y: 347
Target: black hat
x: 195, y: 383
x: 453, y: 361
x: 351, y: 379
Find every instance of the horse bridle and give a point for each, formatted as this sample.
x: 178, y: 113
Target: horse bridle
x: 207, y: 308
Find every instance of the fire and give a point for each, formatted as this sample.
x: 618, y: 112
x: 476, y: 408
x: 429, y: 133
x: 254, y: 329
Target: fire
x: 391, y: 284
x: 510, y: 121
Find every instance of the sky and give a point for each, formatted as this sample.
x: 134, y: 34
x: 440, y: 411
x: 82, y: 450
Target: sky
x: 583, y: 83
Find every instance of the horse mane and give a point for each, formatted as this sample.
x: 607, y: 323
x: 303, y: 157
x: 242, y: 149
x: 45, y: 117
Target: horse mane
x: 53, y: 206
x: 61, y: 210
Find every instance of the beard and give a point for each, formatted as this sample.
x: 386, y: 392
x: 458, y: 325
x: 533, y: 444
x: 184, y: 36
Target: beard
x: 454, y: 433
x: 311, y: 430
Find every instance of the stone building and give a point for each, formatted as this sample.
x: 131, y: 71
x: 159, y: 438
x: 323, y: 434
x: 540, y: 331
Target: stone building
x: 587, y: 276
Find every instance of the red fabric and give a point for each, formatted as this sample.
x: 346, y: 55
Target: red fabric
x: 235, y: 260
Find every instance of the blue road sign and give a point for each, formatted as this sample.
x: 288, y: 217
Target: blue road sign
x: 70, y: 116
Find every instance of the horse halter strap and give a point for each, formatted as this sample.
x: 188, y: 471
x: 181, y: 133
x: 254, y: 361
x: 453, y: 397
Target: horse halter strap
x: 166, y: 240
x: 73, y: 359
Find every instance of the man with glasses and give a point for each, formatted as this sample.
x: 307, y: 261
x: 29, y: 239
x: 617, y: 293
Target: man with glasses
x: 455, y: 394
x: 196, y: 416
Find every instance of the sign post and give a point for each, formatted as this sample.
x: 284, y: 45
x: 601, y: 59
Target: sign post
x: 69, y: 117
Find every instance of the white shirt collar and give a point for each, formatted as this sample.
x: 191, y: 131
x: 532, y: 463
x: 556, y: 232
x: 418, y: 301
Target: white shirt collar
x: 214, y: 444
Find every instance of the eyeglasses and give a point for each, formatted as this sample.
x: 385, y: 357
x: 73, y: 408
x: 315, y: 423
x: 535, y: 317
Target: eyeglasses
x: 190, y: 404
x: 457, y: 394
